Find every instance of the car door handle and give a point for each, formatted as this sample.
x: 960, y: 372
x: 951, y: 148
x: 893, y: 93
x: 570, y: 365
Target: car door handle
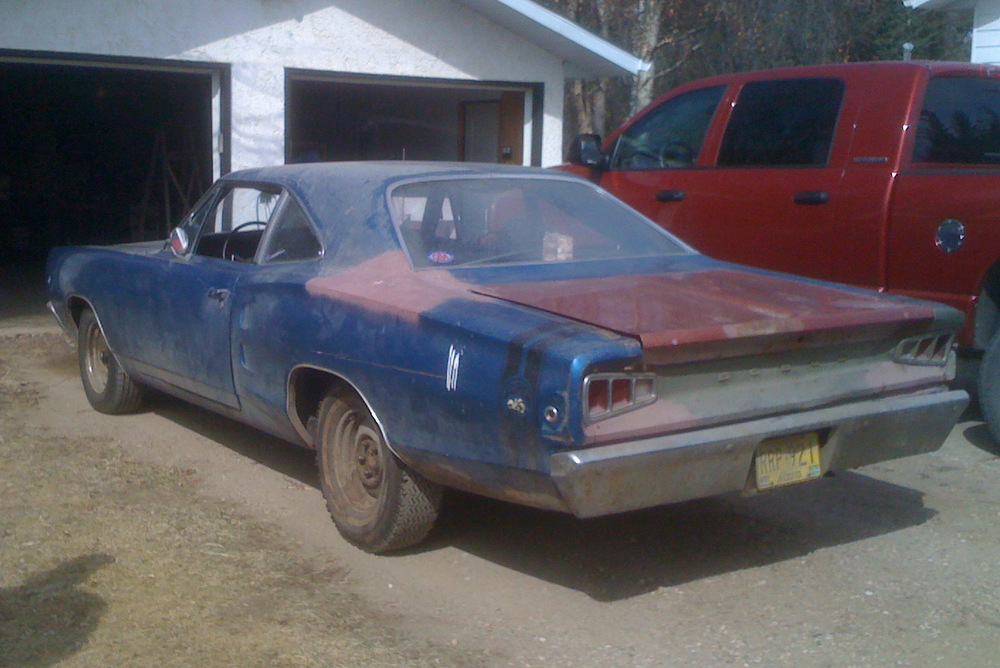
x: 218, y: 294
x: 670, y: 196
x: 812, y: 197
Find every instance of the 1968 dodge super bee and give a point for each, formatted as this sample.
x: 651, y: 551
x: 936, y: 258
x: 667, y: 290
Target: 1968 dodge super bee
x: 511, y: 332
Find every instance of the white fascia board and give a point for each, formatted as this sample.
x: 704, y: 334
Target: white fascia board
x: 944, y: 5
x: 585, y: 54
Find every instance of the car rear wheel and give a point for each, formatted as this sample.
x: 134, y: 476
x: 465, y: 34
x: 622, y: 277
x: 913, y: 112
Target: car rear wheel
x: 108, y: 388
x: 376, y: 501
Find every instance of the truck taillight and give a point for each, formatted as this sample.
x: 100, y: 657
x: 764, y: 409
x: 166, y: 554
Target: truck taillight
x: 613, y: 393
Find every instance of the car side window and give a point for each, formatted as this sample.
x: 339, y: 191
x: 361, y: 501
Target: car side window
x: 234, y: 225
x: 669, y: 136
x: 783, y: 123
x: 959, y: 122
x: 292, y: 237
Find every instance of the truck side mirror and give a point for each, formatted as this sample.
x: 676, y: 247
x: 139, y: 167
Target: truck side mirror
x: 585, y: 150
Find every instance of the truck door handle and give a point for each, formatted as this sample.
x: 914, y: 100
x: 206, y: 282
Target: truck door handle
x: 670, y: 196
x: 218, y: 294
x: 812, y: 197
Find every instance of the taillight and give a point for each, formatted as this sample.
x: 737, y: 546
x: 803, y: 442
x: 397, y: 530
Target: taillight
x: 613, y: 393
x: 931, y: 350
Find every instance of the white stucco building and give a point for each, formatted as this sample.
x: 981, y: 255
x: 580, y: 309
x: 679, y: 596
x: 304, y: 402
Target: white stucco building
x: 141, y: 84
x: 985, y: 24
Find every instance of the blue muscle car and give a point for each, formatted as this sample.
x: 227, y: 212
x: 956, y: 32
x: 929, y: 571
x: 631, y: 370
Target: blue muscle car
x: 511, y: 332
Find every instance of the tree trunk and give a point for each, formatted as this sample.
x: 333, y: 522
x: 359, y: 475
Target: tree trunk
x: 645, y: 38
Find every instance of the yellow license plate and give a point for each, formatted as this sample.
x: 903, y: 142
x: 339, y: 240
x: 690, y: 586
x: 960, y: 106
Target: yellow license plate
x: 787, y: 460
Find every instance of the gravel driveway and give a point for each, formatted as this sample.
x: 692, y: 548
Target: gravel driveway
x: 178, y: 538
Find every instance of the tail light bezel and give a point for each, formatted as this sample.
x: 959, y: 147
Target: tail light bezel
x: 615, y: 393
x: 927, y: 350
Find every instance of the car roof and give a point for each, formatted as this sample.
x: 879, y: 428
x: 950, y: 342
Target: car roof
x: 350, y: 196
x: 375, y: 174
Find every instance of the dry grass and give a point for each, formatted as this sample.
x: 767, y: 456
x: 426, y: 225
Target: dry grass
x: 108, y: 562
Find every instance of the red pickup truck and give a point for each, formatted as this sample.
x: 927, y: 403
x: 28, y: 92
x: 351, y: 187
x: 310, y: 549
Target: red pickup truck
x: 882, y: 175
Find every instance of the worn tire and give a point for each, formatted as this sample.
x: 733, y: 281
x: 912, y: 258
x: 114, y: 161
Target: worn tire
x: 108, y: 388
x: 989, y: 387
x: 377, y: 503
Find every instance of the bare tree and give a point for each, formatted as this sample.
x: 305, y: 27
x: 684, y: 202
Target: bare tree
x: 689, y: 39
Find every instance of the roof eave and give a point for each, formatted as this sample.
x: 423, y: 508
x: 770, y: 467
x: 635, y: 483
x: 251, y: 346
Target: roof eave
x: 945, y: 5
x: 584, y: 54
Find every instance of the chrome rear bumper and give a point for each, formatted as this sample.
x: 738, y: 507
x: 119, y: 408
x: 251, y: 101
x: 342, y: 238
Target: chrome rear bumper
x: 678, y: 467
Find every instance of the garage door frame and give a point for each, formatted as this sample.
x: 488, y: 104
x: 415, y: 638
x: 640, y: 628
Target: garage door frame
x: 536, y: 92
x: 220, y: 74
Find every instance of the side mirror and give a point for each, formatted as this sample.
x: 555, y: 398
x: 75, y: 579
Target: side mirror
x: 585, y: 150
x: 179, y: 243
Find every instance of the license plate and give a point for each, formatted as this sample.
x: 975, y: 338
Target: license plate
x: 787, y: 460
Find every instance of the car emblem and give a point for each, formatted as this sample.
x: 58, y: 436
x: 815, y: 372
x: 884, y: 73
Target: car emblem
x: 518, y: 405
x: 950, y: 235
x: 517, y: 397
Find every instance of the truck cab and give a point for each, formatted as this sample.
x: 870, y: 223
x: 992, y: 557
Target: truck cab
x: 881, y: 175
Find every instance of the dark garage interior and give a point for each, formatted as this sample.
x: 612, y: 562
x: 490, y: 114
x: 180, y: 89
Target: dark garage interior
x: 117, y: 152
x: 97, y: 154
x: 378, y: 119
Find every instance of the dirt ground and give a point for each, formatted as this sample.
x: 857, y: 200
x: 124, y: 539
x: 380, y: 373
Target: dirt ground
x: 178, y: 538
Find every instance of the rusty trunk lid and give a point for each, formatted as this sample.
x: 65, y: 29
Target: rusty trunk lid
x: 723, y: 312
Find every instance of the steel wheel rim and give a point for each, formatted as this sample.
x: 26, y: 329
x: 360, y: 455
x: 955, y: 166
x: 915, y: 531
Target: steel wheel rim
x: 358, y: 465
x: 96, y: 360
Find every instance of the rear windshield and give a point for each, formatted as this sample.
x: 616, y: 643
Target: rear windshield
x: 960, y: 122
x: 490, y: 221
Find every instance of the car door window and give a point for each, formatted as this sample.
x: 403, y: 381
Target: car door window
x: 669, y: 136
x: 783, y: 123
x: 959, y: 122
x: 292, y: 236
x: 234, y: 224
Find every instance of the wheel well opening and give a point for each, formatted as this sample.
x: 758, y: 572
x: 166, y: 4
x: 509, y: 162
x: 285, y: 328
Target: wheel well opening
x: 76, y: 307
x: 988, y: 308
x: 306, y: 389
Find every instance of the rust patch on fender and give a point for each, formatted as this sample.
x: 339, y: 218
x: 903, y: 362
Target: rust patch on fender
x: 387, y: 284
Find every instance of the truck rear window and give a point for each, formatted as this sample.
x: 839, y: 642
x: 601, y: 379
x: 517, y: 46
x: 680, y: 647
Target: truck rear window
x: 960, y: 122
x: 783, y: 123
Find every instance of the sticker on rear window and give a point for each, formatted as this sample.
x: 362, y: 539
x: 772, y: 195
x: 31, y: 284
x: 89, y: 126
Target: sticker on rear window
x: 440, y: 257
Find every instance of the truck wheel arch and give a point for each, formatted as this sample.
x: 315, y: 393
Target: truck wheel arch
x: 987, y: 318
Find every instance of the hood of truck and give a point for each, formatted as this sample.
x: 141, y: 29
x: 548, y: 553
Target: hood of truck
x: 723, y: 312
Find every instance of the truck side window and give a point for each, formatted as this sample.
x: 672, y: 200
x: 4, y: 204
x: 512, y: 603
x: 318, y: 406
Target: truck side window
x: 783, y: 123
x: 671, y: 135
x: 960, y: 122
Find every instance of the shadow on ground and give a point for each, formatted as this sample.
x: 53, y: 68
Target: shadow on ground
x: 49, y: 618
x: 272, y: 452
x: 623, y: 556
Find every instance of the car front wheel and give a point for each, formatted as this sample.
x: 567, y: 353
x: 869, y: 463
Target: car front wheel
x: 376, y: 501
x: 108, y: 388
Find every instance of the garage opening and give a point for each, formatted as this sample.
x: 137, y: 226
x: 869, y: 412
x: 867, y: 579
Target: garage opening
x: 330, y: 118
x: 94, y: 154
